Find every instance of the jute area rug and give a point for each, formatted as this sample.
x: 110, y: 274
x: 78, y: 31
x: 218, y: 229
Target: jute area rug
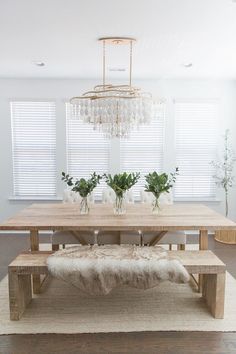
x: 62, y: 308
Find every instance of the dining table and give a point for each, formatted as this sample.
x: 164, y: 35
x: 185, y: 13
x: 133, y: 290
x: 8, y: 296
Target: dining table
x: 138, y: 217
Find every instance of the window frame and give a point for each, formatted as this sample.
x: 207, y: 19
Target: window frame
x: 13, y: 196
x: 217, y: 197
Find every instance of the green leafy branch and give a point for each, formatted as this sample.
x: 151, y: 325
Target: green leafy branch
x: 122, y: 182
x: 160, y: 183
x: 82, y: 186
x: 67, y: 179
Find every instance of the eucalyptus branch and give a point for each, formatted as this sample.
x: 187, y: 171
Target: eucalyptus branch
x: 82, y: 186
x: 160, y: 183
x: 122, y: 182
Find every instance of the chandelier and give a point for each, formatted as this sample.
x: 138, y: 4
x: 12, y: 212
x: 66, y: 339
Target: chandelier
x: 114, y: 109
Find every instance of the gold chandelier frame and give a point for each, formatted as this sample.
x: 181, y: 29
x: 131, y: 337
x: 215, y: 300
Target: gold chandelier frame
x: 108, y: 91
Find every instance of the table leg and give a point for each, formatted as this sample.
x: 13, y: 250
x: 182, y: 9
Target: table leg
x: 34, y: 246
x: 203, y: 245
x: 203, y: 240
x: 157, y: 238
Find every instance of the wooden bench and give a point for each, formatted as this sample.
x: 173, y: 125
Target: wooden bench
x: 196, y: 262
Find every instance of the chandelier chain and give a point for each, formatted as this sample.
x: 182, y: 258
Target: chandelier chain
x: 130, y: 63
x: 104, y: 63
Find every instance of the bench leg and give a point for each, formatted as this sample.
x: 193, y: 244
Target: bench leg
x: 214, y: 293
x: 20, y: 293
x: 34, y: 245
x: 203, y: 245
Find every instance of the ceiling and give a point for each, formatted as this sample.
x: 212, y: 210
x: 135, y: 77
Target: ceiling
x: 63, y: 34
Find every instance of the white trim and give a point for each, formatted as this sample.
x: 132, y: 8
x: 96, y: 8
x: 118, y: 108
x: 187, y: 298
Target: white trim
x: 32, y: 99
x: 196, y: 200
x: 196, y: 100
x: 34, y: 198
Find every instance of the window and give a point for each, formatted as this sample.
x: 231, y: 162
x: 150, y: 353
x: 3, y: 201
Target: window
x: 196, y: 134
x: 87, y: 149
x: 143, y: 152
x: 34, y: 148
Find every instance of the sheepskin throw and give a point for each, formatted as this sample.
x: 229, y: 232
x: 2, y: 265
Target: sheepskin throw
x: 98, y: 269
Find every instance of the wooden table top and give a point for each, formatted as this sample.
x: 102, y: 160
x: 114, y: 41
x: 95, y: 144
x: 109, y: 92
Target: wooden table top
x: 138, y: 216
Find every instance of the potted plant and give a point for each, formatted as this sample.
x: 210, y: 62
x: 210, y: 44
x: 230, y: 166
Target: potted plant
x: 120, y: 183
x: 224, y: 178
x: 158, y: 184
x: 224, y: 169
x: 83, y: 187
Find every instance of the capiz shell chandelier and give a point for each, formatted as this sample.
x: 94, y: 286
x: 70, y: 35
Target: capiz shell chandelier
x: 114, y: 109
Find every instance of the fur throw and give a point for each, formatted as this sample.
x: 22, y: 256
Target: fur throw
x: 98, y: 269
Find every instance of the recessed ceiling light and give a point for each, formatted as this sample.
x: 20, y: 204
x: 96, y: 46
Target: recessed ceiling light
x: 39, y: 63
x: 188, y: 64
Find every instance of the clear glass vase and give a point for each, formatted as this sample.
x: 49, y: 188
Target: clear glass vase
x: 84, y: 206
x: 119, y: 205
x: 156, y: 206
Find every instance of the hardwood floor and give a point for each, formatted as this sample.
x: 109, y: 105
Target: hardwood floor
x: 131, y: 343
x: 138, y: 343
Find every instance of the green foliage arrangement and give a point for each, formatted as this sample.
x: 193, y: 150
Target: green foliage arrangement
x: 82, y: 186
x: 224, y: 169
x: 160, y: 183
x: 122, y: 182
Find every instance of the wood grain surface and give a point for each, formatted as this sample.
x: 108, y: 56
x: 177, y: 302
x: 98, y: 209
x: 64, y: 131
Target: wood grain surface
x: 138, y: 216
x: 205, y: 262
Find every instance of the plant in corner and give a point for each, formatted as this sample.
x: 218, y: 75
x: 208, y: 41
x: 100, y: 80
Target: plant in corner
x: 83, y: 187
x: 120, y: 183
x: 224, y: 169
x: 158, y: 184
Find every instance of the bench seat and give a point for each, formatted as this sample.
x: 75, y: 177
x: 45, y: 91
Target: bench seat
x: 206, y: 263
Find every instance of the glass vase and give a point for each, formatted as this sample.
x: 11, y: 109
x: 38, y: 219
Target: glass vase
x: 119, y: 205
x: 84, y: 206
x: 156, y: 206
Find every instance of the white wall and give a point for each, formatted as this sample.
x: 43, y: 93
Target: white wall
x: 61, y: 90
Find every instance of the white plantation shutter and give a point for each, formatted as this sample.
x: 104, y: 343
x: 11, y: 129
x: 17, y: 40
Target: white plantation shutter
x: 34, y: 148
x: 87, y: 150
x: 143, y: 151
x: 196, y: 134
